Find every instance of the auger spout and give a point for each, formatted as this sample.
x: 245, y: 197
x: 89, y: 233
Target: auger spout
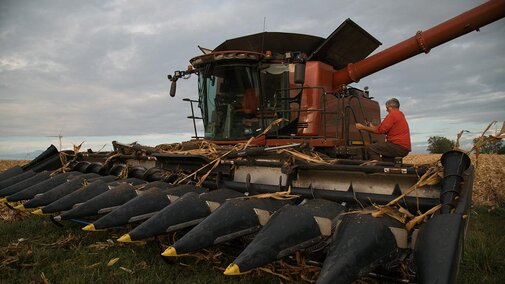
x: 422, y: 42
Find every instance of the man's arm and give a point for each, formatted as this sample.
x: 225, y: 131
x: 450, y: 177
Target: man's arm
x: 382, y: 128
x: 370, y: 127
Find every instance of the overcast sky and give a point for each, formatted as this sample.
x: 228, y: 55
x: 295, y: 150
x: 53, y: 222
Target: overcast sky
x: 98, y: 68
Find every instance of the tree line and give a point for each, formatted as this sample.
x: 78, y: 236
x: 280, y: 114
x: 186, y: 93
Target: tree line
x: 440, y: 145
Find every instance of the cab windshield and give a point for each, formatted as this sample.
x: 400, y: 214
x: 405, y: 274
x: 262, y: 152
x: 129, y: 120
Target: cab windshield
x: 238, y: 101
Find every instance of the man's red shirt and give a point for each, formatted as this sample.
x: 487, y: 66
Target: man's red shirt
x: 396, y: 128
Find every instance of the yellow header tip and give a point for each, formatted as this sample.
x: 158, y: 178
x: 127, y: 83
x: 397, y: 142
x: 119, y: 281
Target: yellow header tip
x: 232, y: 269
x: 89, y: 227
x: 38, y: 212
x: 125, y: 239
x: 20, y: 207
x: 170, y: 251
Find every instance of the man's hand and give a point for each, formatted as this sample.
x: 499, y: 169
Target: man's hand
x: 360, y: 126
x: 369, y: 128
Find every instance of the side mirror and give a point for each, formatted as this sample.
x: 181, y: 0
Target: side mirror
x: 179, y: 74
x: 173, y: 87
x: 299, y: 73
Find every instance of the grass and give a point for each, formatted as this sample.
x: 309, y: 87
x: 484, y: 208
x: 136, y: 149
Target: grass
x: 32, y: 246
x: 484, y: 255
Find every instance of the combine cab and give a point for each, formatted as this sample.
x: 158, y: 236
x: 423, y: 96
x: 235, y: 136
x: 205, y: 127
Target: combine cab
x: 280, y: 161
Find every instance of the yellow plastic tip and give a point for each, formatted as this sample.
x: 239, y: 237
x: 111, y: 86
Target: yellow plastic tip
x: 232, y: 269
x: 125, y: 239
x: 170, y: 251
x: 20, y: 207
x: 89, y: 227
x: 3, y: 200
x: 38, y: 212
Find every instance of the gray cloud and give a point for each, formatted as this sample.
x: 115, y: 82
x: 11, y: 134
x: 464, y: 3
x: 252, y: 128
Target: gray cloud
x: 99, y: 68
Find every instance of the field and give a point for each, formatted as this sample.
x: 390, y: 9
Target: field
x: 33, y: 250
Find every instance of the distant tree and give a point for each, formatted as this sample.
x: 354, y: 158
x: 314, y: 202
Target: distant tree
x: 502, y: 151
x: 491, y: 146
x: 439, y: 144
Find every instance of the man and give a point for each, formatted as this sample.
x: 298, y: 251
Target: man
x: 397, y: 132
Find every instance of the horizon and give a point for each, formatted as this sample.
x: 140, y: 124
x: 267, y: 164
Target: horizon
x: 28, y: 147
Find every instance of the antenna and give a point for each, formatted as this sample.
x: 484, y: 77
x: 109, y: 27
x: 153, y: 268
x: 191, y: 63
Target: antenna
x: 59, y: 137
x: 263, y: 34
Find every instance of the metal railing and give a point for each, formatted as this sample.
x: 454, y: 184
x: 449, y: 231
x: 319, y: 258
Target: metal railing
x: 193, y: 117
x: 342, y: 112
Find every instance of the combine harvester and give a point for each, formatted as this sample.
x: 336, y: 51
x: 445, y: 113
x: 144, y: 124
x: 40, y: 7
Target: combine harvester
x: 280, y: 162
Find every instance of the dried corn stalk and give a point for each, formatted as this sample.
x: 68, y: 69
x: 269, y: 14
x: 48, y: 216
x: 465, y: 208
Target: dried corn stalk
x: 65, y: 162
x: 280, y: 195
x: 209, y: 150
x: 394, y: 210
x: 292, y: 272
x: 311, y: 157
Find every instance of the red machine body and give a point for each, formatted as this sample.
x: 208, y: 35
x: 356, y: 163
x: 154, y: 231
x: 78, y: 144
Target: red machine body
x: 303, y: 79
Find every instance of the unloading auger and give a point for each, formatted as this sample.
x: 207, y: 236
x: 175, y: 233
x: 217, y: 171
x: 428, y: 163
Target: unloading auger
x: 280, y: 165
